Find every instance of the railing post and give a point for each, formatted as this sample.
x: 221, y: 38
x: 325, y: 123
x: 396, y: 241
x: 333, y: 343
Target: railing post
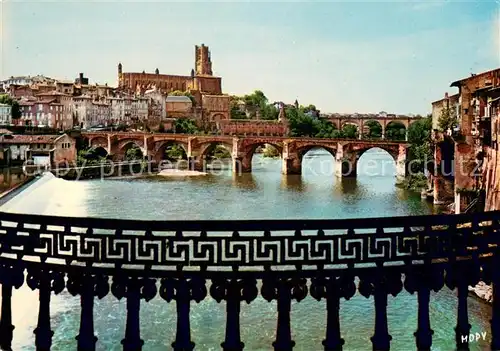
x: 10, y: 277
x: 381, y: 339
x: 233, y: 291
x: 283, y: 290
x: 46, y: 282
x: 86, y: 338
x: 232, y: 340
x: 333, y: 341
x: 423, y: 335
x: 463, y: 327
x: 330, y: 289
x: 6, y: 327
x: 183, y: 334
x: 43, y: 333
x: 495, y: 319
x: 132, y: 340
x: 284, y: 340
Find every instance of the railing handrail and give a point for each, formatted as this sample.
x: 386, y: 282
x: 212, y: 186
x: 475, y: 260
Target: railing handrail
x: 254, y: 224
x: 456, y: 250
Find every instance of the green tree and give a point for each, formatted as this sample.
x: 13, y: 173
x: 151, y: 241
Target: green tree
x: 395, y: 131
x: 134, y: 153
x: 302, y: 124
x: 256, y: 100
x: 237, y: 113
x: 185, y: 126
x: 350, y: 131
x: 269, y: 112
x: 175, y: 152
x: 420, y: 151
x: 91, y: 156
x: 270, y: 151
x: 374, y: 129
x: 447, y: 120
x: 219, y: 152
x: 15, y: 109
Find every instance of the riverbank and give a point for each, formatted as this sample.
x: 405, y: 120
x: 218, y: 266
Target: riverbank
x: 16, y: 189
x: 106, y: 170
x: 415, y: 182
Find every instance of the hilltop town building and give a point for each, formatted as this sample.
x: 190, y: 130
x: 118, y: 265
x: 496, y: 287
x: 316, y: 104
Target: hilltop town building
x: 5, y: 114
x: 474, y: 148
x: 17, y: 149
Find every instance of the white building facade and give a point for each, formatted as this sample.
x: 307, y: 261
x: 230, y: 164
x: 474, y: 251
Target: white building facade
x: 5, y: 114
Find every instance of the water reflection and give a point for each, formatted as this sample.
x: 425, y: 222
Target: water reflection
x: 347, y: 185
x: 244, y: 181
x: 293, y: 182
x: 10, y: 177
x: 270, y: 195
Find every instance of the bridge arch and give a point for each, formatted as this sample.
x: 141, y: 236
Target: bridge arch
x: 306, y: 157
x: 391, y: 151
x: 372, y: 129
x: 207, y: 148
x: 160, y: 148
x: 350, y: 129
x: 98, y: 141
x: 100, y: 151
x: 303, y: 150
x: 396, y: 130
x: 397, y: 165
x: 243, y: 162
x: 125, y: 145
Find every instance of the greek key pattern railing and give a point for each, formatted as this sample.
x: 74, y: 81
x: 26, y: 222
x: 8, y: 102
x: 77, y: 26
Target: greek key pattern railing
x: 186, y: 261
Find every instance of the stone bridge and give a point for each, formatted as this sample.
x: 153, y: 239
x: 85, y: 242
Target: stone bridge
x: 361, y: 122
x: 235, y: 262
x: 346, y: 152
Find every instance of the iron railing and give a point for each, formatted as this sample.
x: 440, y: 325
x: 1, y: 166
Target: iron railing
x: 187, y: 260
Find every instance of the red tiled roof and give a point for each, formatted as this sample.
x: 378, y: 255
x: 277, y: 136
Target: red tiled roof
x: 460, y: 81
x: 52, y: 93
x: 30, y: 139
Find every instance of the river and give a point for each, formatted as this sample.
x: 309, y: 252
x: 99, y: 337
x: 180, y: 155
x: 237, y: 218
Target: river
x: 263, y: 194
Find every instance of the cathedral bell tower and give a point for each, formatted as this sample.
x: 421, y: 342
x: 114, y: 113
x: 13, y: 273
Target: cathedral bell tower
x: 203, y: 62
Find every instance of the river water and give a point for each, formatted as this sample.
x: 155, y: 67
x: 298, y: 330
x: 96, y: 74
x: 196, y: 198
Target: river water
x: 264, y: 194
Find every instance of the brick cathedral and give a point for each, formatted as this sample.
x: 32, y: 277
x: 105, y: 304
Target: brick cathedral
x: 201, y: 83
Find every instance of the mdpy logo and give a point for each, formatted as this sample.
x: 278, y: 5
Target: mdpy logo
x: 474, y: 337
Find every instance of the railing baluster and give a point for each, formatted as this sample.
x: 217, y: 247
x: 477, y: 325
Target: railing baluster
x: 183, y: 334
x: 381, y: 340
x: 232, y: 340
x: 284, y: 340
x: 333, y: 340
x: 86, y: 338
x: 495, y: 319
x: 423, y: 335
x: 6, y: 327
x: 43, y: 333
x: 132, y: 340
x: 463, y: 327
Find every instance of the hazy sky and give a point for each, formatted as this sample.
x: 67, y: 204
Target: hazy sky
x: 340, y: 56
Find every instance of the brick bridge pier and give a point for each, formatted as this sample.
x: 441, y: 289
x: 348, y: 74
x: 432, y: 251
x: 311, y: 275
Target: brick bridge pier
x: 346, y: 152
